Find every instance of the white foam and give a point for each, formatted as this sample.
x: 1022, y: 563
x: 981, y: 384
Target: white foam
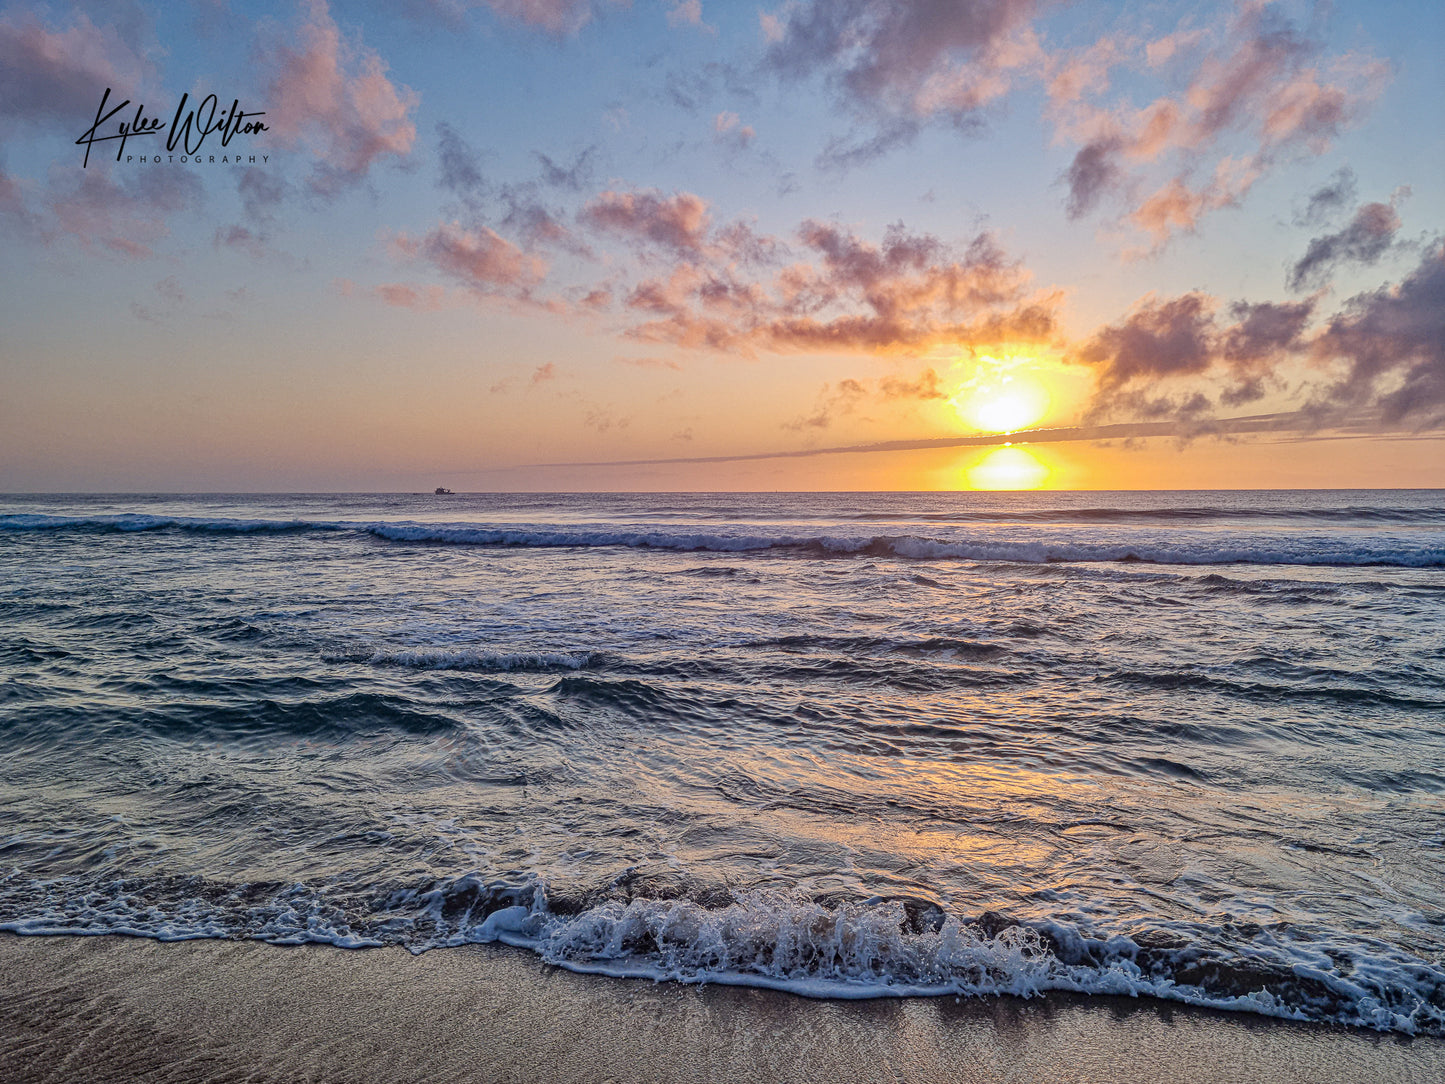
x: 861, y: 951
x: 789, y: 943
x: 1184, y: 548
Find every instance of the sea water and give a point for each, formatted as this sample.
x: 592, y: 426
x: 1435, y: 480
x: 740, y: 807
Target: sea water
x: 1181, y: 745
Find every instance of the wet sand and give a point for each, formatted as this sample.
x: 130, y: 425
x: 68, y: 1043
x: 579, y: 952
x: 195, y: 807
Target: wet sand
x: 125, y: 1009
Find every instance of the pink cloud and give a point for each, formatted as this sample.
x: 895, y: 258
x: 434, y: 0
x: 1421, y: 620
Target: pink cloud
x: 909, y: 293
x: 1086, y: 71
x: 926, y: 386
x: 1177, y: 207
x: 688, y: 13
x: 486, y: 263
x: 911, y: 57
x: 335, y: 98
x: 1253, y: 100
x: 679, y: 222
x: 728, y: 128
x: 649, y: 363
x: 405, y: 296
x: 50, y: 74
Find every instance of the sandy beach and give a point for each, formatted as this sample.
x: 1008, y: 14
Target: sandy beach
x: 122, y: 1009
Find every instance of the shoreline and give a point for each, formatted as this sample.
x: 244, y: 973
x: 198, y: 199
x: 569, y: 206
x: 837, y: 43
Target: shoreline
x: 110, y: 1008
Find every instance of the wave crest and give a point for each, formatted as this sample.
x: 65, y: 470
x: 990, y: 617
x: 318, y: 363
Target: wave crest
x: 1183, y: 550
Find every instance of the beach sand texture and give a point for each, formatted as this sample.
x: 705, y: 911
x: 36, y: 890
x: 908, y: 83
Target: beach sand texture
x: 114, y: 1008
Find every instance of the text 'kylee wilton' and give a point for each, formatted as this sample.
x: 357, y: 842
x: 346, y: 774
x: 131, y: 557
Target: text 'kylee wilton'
x: 188, y: 129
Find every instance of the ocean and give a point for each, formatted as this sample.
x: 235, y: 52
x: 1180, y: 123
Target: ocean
x: 1185, y: 745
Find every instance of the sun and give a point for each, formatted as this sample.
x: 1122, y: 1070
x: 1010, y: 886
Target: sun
x: 1016, y: 405
x: 1002, y: 396
x: 1008, y: 467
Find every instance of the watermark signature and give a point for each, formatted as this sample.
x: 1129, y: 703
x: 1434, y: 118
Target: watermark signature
x: 188, y: 128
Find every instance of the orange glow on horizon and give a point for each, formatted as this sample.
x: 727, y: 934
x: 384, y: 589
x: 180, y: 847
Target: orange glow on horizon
x: 1009, y: 467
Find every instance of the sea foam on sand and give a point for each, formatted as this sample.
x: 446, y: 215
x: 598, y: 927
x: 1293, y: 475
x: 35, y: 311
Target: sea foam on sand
x: 112, y: 1008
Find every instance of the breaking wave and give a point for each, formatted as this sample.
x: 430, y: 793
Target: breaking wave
x: 1274, y: 550
x: 865, y: 949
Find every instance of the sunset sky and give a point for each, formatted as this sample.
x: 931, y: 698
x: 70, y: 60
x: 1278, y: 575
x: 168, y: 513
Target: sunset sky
x: 594, y: 245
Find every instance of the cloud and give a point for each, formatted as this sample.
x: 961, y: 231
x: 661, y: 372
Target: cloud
x: 172, y: 296
x: 1263, y: 330
x: 1094, y: 171
x: 52, y: 79
x: 1178, y: 207
x: 909, y: 293
x: 127, y: 217
x: 460, y: 168
x: 688, y: 13
x: 405, y: 296
x: 925, y: 387
x: 517, y: 208
x: 649, y: 363
x: 573, y: 177
x: 899, y: 64
x: 1181, y: 337
x: 334, y: 97
x: 536, y: 223
x: 12, y: 200
x: 1369, y: 235
x: 481, y: 260
x: 1264, y: 334
x: 1073, y: 76
x: 1158, y: 339
x: 171, y: 290
x: 906, y: 58
x: 1327, y: 200
x: 239, y: 237
x: 58, y: 75
x: 1382, y: 355
x: 697, y: 85
x: 558, y: 17
x: 729, y: 129
x: 701, y: 285
x: 1393, y: 344
x: 1299, y: 422
x: 1262, y: 94
x: 603, y: 419
x: 261, y: 191
x: 677, y: 223
x: 849, y: 393
x: 831, y: 402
